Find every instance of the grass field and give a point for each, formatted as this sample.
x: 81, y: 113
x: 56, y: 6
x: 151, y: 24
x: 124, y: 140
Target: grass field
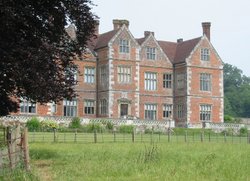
x: 139, y: 161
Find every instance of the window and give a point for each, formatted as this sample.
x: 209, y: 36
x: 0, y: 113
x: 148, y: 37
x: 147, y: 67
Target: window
x: 103, y: 74
x: 167, y: 80
x: 70, y: 108
x: 71, y: 74
x: 205, y: 54
x: 124, y: 74
x: 27, y: 106
x: 180, y: 80
x: 103, y: 107
x: 180, y: 110
x: 124, y: 46
x: 150, y: 81
x: 205, y: 112
x: 205, y: 82
x: 167, y: 110
x: 53, y: 107
x: 89, y: 75
x: 151, y: 55
x: 150, y: 111
x: 89, y: 106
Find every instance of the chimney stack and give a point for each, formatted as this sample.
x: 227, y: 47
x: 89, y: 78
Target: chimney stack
x: 180, y: 40
x: 147, y: 33
x: 97, y: 27
x: 119, y: 22
x: 206, y: 29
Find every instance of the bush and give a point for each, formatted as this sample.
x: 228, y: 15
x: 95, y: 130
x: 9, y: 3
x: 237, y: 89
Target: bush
x: 228, y: 119
x: 75, y: 123
x: 243, y: 131
x: 33, y: 124
x: 49, y: 125
x: 126, y: 128
x: 91, y: 127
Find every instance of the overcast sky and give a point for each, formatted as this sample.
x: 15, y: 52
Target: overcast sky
x: 173, y: 19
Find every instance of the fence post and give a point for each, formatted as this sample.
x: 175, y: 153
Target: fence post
x: 133, y: 136
x: 9, y: 145
x: 114, y: 136
x: 185, y: 136
x: 54, y: 131
x: 209, y: 136
x: 95, y: 136
x: 26, y: 149
x: 75, y: 138
x: 202, y: 136
x: 169, y: 135
x: 225, y: 137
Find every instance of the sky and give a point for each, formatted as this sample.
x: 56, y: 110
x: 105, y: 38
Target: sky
x: 174, y: 19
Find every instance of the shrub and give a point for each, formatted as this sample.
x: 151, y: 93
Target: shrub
x: 126, y: 128
x: 48, y: 125
x: 33, y: 124
x: 75, y: 123
x: 243, y: 131
x: 228, y: 119
x: 91, y: 127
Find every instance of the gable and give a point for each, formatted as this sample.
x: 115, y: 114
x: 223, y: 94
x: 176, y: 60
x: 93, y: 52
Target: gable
x: 194, y: 58
x: 151, y: 42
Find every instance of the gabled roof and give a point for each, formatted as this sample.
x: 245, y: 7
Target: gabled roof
x: 184, y: 49
x: 140, y: 40
x: 104, y: 39
x: 169, y: 49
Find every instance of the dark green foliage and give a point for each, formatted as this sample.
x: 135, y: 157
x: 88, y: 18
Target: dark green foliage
x: 36, y: 50
x: 243, y: 131
x: 126, y: 128
x: 236, y: 92
x: 33, y: 124
x: 91, y: 127
x: 228, y: 119
x: 75, y: 123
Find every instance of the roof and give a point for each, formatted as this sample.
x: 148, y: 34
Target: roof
x: 184, y: 49
x: 169, y: 49
x: 104, y: 39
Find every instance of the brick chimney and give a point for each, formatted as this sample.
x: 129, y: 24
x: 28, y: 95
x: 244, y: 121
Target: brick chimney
x: 147, y: 33
x: 119, y: 22
x: 180, y: 40
x: 97, y: 27
x: 206, y: 29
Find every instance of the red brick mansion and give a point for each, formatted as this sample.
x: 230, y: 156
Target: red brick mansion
x: 144, y: 78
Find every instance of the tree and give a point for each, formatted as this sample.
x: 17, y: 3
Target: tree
x: 236, y: 92
x: 36, y: 51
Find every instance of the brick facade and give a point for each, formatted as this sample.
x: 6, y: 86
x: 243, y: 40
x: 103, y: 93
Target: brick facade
x: 147, y: 79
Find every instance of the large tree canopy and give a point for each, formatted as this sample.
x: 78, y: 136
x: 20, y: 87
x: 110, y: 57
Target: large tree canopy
x: 237, y: 92
x: 36, y: 50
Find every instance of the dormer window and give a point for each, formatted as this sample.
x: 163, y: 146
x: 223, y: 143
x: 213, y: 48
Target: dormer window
x: 124, y: 46
x: 205, y: 54
x: 151, y: 53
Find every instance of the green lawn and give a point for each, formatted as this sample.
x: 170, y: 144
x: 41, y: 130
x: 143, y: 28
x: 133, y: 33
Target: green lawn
x: 140, y: 161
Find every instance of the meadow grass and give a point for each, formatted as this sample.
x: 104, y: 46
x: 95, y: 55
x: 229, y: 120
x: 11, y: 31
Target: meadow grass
x: 140, y: 161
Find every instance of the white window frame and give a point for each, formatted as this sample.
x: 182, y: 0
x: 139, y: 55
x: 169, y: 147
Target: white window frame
x: 180, y: 111
x: 167, y: 110
x: 150, y: 81
x: 151, y: 53
x: 103, y: 107
x: 27, y: 107
x: 150, y: 111
x: 205, y: 54
x: 89, y: 75
x: 89, y: 106
x: 70, y: 108
x: 205, y: 112
x: 167, y: 80
x: 205, y: 81
x: 53, y: 107
x: 124, y: 46
x: 103, y: 74
x: 124, y: 74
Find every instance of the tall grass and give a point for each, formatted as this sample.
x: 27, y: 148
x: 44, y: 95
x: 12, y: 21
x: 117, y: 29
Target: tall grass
x: 141, y: 161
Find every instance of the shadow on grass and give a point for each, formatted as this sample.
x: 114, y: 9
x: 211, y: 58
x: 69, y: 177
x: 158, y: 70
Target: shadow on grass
x: 42, y: 154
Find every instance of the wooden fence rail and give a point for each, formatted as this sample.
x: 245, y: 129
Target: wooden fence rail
x: 14, y: 149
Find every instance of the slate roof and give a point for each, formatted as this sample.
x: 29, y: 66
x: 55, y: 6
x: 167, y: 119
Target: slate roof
x: 104, y: 39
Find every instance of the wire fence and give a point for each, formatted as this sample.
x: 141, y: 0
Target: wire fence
x: 14, y: 150
x: 107, y: 137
